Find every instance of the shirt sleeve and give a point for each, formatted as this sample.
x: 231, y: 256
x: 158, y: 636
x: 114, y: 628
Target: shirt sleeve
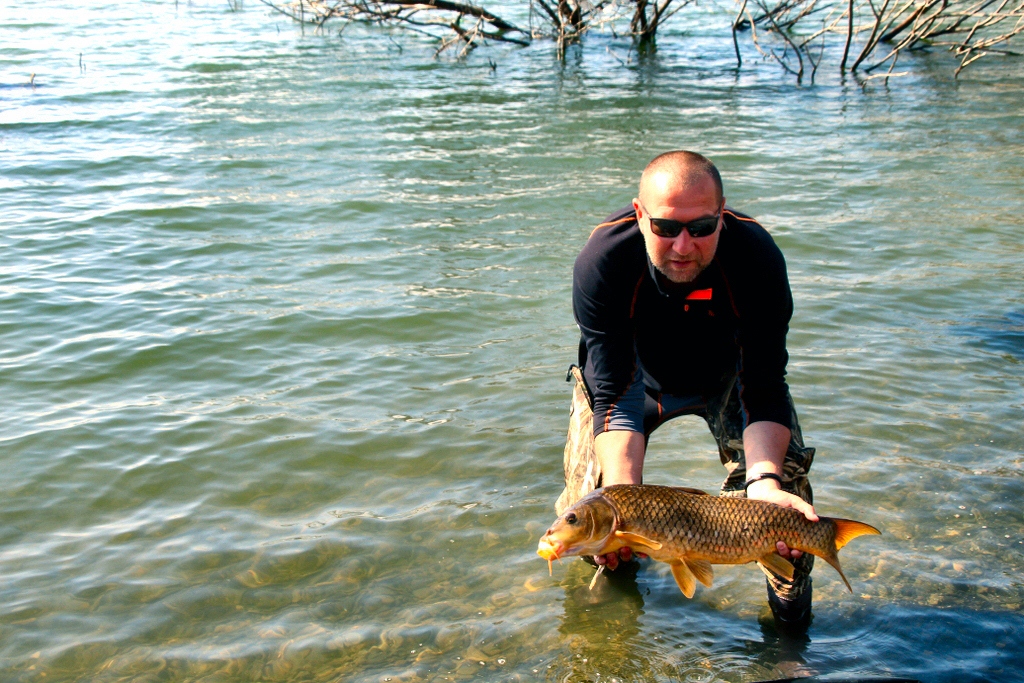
x: 765, y: 305
x: 602, y: 301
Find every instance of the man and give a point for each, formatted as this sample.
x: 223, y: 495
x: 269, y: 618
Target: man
x: 683, y: 307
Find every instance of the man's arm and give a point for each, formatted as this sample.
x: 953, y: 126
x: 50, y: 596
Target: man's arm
x: 765, y: 304
x: 621, y: 457
x: 606, y: 276
x: 764, y: 446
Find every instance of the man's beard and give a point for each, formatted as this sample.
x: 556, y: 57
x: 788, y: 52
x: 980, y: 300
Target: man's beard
x: 682, y: 278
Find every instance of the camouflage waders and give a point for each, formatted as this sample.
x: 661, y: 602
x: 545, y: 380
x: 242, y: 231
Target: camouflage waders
x: 725, y: 419
x: 582, y: 471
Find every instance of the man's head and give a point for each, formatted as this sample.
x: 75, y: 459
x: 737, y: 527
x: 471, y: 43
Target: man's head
x: 680, y: 187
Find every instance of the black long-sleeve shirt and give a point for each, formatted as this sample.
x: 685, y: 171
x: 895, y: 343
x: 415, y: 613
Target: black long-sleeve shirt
x: 640, y: 329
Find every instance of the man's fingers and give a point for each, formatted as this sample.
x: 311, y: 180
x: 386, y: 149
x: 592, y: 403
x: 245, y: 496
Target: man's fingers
x: 786, y: 500
x: 799, y: 504
x: 806, y: 508
x: 787, y: 552
x: 613, y: 560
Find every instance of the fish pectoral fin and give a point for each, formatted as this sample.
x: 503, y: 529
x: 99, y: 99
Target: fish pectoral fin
x: 777, y: 564
x: 637, y: 539
x: 702, y: 570
x: 684, y: 578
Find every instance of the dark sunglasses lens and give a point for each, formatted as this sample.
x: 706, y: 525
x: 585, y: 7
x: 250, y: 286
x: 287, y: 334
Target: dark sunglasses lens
x: 665, y: 227
x: 702, y: 227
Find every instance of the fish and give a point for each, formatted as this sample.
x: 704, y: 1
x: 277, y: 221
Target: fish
x: 691, y: 530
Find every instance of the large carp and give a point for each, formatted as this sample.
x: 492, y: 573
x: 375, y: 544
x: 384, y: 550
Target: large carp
x: 691, y: 530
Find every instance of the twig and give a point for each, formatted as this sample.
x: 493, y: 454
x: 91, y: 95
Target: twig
x: 849, y: 39
x: 735, y: 27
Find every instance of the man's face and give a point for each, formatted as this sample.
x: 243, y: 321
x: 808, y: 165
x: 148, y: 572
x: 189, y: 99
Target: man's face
x: 681, y: 258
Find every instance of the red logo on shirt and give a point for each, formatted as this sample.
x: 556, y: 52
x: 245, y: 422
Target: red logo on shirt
x: 699, y: 295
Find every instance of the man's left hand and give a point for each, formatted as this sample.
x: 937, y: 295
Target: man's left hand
x: 768, y: 491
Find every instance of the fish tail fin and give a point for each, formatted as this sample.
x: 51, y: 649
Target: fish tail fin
x: 833, y: 559
x: 847, y: 530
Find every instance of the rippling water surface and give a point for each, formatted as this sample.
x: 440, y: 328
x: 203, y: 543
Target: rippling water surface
x: 285, y: 321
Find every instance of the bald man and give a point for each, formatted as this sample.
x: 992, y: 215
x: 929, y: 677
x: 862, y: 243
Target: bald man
x: 683, y: 305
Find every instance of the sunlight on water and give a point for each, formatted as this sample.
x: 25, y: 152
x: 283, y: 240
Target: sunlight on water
x: 287, y: 319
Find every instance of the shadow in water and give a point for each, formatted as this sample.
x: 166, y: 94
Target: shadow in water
x: 937, y: 645
x: 630, y: 627
x: 610, y: 639
x: 843, y: 679
x: 780, y: 649
x: 602, y: 625
x: 997, y: 334
x: 614, y: 603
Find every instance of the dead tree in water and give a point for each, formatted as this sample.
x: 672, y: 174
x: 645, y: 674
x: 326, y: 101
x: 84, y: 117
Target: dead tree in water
x: 464, y: 25
x: 567, y: 20
x: 794, y: 33
x: 875, y: 33
x: 454, y: 24
x: 649, y: 15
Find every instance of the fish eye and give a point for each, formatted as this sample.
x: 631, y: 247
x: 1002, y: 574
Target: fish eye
x: 571, y: 518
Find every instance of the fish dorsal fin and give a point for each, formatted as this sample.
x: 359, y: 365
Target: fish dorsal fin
x: 701, y: 570
x: 777, y: 564
x: 636, y: 539
x: 847, y: 530
x: 684, y: 577
x: 687, y: 489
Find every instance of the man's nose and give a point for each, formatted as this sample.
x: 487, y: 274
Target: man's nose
x: 683, y: 242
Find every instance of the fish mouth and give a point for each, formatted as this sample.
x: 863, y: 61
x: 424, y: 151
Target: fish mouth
x: 550, y: 550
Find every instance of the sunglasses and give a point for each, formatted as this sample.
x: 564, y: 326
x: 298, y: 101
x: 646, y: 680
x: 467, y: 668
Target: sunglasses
x: 666, y: 227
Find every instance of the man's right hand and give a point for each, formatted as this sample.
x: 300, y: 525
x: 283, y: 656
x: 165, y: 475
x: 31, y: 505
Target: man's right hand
x: 621, y: 456
x: 612, y: 560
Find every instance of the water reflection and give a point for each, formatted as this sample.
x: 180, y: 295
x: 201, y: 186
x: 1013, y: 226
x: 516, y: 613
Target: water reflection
x: 609, y: 638
x: 602, y: 625
x: 779, y: 650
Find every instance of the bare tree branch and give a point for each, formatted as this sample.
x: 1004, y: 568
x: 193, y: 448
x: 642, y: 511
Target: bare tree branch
x: 796, y: 34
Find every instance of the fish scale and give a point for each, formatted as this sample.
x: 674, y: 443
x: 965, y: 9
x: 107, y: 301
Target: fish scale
x: 691, y: 530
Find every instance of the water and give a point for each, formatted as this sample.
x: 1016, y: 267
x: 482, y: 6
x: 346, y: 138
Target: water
x: 286, y: 318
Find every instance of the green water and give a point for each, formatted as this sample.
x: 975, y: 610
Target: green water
x: 284, y: 321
